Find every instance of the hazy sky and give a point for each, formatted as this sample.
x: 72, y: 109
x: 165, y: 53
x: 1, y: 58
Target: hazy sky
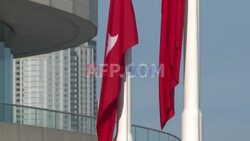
x: 225, y: 68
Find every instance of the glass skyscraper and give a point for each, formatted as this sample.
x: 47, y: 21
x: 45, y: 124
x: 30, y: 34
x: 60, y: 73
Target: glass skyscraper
x: 5, y: 73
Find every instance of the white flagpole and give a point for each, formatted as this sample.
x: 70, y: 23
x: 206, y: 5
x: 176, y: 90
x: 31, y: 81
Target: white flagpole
x: 192, y: 117
x: 124, y: 106
x: 129, y: 96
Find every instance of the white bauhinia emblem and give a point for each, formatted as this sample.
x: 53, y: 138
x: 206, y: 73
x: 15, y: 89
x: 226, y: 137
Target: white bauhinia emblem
x: 111, y: 42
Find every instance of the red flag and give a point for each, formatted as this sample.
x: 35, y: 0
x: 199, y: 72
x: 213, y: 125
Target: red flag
x: 121, y: 35
x: 170, y: 55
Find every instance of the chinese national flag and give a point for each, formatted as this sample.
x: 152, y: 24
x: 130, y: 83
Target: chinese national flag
x: 121, y: 35
x: 170, y: 55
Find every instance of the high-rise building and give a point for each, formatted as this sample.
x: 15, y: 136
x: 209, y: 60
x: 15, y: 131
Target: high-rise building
x: 56, y: 81
x: 5, y: 75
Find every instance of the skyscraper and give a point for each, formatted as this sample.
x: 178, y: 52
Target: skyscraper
x: 55, y: 81
x: 5, y: 75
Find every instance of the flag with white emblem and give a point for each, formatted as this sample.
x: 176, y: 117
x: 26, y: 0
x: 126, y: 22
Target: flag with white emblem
x: 121, y: 35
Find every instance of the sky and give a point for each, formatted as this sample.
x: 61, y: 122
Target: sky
x: 225, y: 68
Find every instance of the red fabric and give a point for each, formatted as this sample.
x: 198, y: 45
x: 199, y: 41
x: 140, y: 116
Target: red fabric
x: 121, y: 24
x: 170, y: 55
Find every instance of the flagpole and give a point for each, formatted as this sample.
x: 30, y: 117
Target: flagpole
x: 191, y: 116
x: 129, y: 88
x: 124, y: 105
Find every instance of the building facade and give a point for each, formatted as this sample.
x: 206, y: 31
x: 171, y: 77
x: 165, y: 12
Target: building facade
x: 56, y: 81
x: 51, y: 30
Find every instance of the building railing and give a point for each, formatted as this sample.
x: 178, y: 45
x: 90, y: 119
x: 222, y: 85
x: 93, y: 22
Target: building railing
x: 33, y: 116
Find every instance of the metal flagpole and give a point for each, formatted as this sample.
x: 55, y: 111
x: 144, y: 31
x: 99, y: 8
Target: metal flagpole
x: 129, y: 95
x: 192, y: 117
x: 124, y: 105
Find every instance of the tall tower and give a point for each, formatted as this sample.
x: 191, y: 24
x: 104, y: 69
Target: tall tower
x: 5, y: 74
x: 56, y: 81
x: 30, y: 87
x: 87, y: 100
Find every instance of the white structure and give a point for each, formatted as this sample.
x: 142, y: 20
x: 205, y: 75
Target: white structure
x: 55, y: 81
x: 124, y: 130
x: 192, y: 117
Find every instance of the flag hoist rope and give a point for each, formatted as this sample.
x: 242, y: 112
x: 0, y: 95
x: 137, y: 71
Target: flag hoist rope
x: 192, y: 117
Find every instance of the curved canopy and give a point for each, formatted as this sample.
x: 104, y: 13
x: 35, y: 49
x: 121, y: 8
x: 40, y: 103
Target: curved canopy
x: 38, y: 29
